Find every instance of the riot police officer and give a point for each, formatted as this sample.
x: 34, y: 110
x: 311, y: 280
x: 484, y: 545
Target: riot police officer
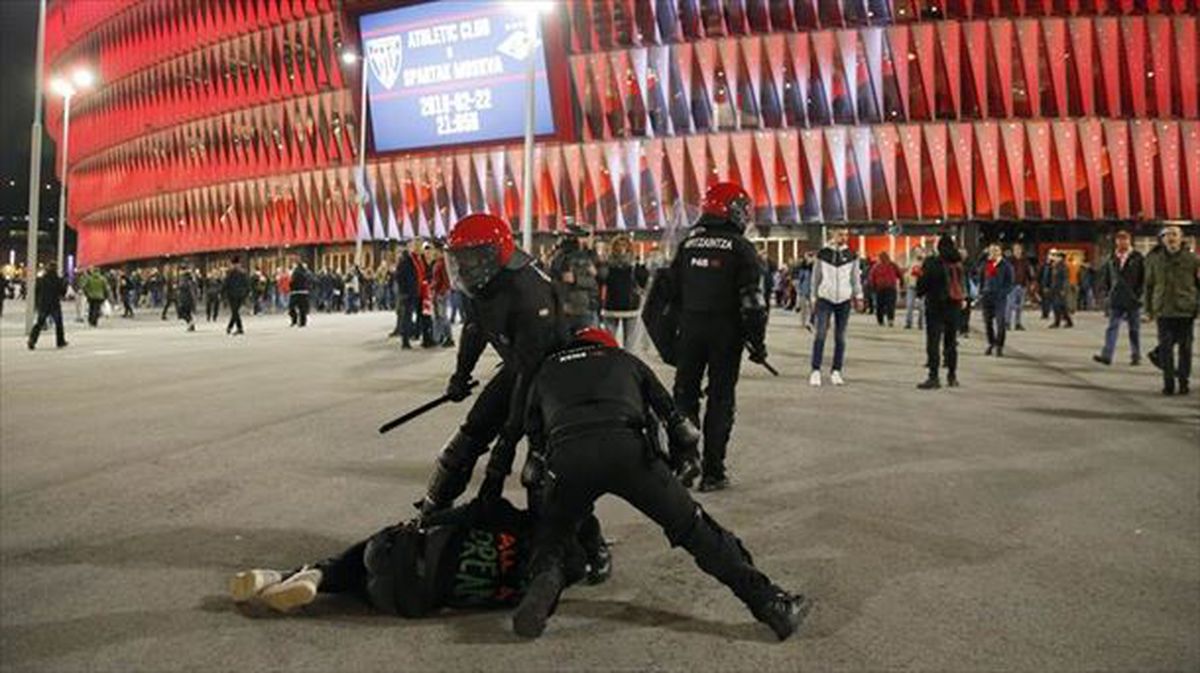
x: 590, y: 413
x: 716, y: 283
x: 511, y: 305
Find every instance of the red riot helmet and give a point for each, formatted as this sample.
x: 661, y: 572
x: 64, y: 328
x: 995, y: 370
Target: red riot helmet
x: 729, y: 201
x: 597, y: 335
x: 478, y: 247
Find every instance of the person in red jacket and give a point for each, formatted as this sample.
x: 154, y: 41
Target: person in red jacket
x: 885, y: 281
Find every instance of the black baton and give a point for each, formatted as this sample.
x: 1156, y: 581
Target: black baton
x: 428, y: 406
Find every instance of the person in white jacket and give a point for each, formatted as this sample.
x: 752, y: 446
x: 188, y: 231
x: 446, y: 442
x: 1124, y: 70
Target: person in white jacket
x: 836, y: 288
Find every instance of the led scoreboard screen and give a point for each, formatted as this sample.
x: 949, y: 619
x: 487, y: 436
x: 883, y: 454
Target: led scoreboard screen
x: 449, y: 73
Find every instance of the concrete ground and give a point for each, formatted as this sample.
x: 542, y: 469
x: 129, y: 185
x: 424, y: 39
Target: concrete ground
x: 1044, y: 517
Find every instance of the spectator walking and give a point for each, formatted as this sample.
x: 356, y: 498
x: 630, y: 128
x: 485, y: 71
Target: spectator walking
x: 439, y: 294
x: 1171, y: 288
x: 836, y: 285
x: 912, y: 301
x: 884, y: 279
x: 1023, y: 277
x: 1123, y: 278
x: 299, y: 285
x: 236, y: 288
x: 96, y: 291
x: 802, y: 280
x: 168, y: 294
x: 1060, y: 290
x: 48, y: 293
x: 622, y: 282
x: 942, y: 286
x: 408, y: 300
x: 212, y: 297
x: 186, y: 290
x: 995, y: 286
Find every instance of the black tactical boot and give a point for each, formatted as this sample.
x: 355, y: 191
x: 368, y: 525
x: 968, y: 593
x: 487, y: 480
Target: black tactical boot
x: 930, y: 383
x: 541, y: 598
x: 708, y: 483
x: 783, y: 612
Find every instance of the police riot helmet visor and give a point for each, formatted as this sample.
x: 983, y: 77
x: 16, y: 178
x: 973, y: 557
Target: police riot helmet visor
x: 472, y: 268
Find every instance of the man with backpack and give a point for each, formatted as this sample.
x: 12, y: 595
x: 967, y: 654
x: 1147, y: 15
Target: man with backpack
x: 942, y: 285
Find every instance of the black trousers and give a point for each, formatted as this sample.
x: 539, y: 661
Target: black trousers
x: 185, y: 309
x: 298, y: 308
x: 54, y: 313
x: 712, y: 343
x: 885, y: 305
x: 235, y: 317
x: 1061, y: 311
x: 993, y: 319
x: 1174, y: 332
x: 167, y: 305
x: 212, y: 307
x: 93, y: 311
x: 586, y: 467
x: 941, y: 334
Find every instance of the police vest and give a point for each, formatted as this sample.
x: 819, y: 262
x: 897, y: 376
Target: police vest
x: 709, y: 262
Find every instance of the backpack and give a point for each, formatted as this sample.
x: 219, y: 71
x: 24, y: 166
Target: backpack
x: 955, y: 287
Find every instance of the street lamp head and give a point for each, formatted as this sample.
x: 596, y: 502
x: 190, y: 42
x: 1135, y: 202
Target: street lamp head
x: 349, y: 57
x: 83, y: 78
x: 62, y: 87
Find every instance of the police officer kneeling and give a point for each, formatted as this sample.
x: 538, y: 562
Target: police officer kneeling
x: 590, y: 413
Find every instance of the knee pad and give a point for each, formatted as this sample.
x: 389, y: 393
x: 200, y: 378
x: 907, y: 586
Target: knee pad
x: 452, y: 471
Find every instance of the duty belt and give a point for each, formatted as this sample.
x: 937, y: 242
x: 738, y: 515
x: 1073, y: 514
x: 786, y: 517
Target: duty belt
x: 572, y: 430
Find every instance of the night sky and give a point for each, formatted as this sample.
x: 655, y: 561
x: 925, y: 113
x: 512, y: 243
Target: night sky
x: 18, y: 39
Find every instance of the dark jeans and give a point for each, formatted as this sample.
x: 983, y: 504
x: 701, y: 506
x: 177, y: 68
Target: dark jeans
x: 941, y: 334
x: 212, y: 307
x: 54, y: 313
x: 1174, y: 332
x: 1117, y: 315
x: 994, y: 320
x: 841, y: 316
x: 712, y: 343
x: 1062, y: 312
x: 235, y: 317
x: 885, y: 305
x: 93, y: 311
x: 586, y: 467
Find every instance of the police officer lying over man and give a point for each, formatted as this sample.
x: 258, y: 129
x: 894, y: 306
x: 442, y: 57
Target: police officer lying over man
x: 590, y: 414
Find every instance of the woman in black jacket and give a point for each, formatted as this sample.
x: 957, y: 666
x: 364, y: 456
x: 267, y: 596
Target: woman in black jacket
x: 622, y: 281
x: 942, y: 285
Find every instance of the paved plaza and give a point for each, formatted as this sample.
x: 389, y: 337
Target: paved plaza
x: 1043, y: 517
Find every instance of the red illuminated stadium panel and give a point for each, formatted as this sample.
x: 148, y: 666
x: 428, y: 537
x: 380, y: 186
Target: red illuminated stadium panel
x: 226, y: 124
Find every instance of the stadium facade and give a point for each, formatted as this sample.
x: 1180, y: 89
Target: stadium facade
x: 222, y: 125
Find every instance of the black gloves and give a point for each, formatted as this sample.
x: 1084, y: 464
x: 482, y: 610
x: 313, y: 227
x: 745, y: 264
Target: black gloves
x: 757, y: 352
x: 683, y: 438
x: 459, y: 387
x: 490, y: 491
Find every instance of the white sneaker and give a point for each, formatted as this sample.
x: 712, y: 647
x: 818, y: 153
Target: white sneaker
x: 835, y: 377
x: 296, y: 591
x: 247, y: 584
x: 814, y: 379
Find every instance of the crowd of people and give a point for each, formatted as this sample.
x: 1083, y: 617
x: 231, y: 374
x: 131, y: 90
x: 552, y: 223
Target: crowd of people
x: 942, y: 287
x: 603, y: 283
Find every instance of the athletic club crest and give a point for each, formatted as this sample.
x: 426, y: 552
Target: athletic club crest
x: 385, y: 56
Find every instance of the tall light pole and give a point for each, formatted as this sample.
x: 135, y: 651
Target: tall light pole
x: 35, y: 172
x: 80, y: 80
x: 533, y: 15
x: 351, y: 58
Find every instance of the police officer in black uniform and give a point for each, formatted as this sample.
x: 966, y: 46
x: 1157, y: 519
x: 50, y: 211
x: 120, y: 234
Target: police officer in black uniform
x: 301, y: 284
x: 592, y: 413
x: 511, y: 305
x: 717, y: 283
